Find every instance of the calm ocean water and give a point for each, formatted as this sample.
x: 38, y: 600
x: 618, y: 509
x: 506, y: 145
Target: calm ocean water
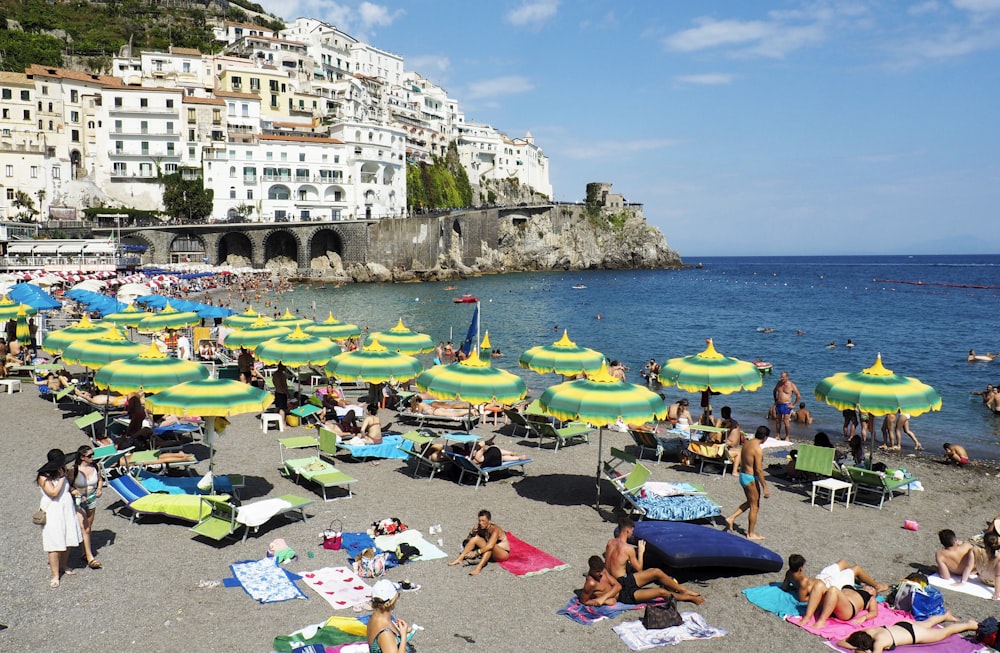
x: 921, y: 330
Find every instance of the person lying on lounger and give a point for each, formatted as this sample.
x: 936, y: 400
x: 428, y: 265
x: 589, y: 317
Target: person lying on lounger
x: 117, y: 401
x: 440, y: 409
x: 487, y: 454
x: 907, y: 632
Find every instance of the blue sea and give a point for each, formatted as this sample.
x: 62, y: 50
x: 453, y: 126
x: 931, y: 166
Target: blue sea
x: 922, y: 313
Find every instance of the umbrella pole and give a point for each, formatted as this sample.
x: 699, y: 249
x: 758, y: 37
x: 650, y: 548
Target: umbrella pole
x: 210, y: 439
x: 600, y: 447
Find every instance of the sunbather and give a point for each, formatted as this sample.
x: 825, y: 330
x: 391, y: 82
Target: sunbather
x: 833, y: 589
x: 118, y: 401
x: 906, y: 632
x: 489, y: 542
x: 625, y: 562
x: 418, y: 405
x: 600, y: 588
x: 487, y: 454
x: 371, y: 426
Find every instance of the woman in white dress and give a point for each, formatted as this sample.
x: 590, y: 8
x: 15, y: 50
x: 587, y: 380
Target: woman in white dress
x: 62, y: 528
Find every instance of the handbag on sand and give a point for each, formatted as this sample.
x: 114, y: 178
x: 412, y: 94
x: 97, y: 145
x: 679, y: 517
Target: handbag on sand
x: 662, y: 615
x: 333, y: 537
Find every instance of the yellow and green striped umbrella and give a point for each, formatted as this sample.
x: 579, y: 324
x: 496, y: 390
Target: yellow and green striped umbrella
x: 128, y: 316
x: 401, y: 339
x: 210, y: 398
x: 152, y: 370
x: 333, y: 329
x: 168, y: 318
x: 95, y: 353
x: 472, y: 380
x: 561, y: 357
x: 55, y: 341
x: 244, y: 319
x: 9, y: 308
x: 22, y: 331
x: 251, y: 336
x: 373, y: 364
x: 290, y: 321
x: 601, y: 400
x: 710, y: 370
x: 297, y: 349
x: 879, y: 391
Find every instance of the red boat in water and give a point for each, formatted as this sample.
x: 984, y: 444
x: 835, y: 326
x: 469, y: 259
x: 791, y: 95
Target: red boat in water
x: 465, y: 299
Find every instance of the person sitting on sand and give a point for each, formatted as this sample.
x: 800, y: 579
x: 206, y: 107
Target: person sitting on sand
x: 833, y: 593
x: 625, y: 562
x: 487, y: 540
x: 985, y: 561
x: 953, y: 558
x: 902, y: 633
x: 837, y: 574
x: 956, y: 453
x: 600, y: 588
x: 802, y: 415
x: 418, y: 405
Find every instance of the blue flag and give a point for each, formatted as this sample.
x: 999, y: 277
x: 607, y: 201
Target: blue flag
x: 470, y: 337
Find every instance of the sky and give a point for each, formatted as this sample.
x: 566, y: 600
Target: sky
x: 744, y: 127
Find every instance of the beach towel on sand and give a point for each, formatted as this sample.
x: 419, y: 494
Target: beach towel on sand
x: 526, y: 560
x: 775, y: 600
x: 590, y: 614
x: 973, y: 586
x: 264, y: 581
x: 637, y: 638
x: 340, y: 586
x: 414, y: 538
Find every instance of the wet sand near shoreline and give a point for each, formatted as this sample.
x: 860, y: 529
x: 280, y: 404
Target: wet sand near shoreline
x: 148, y: 598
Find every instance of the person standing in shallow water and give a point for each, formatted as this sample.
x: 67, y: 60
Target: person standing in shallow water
x: 786, y: 395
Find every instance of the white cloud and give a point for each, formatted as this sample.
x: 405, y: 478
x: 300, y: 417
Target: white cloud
x: 533, y: 14
x: 705, y: 79
x: 373, y: 15
x: 358, y: 22
x: 616, y: 149
x: 978, y: 6
x: 499, y: 87
x: 432, y: 66
x: 771, y: 38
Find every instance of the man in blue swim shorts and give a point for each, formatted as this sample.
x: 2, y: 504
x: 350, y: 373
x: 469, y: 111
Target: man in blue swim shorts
x: 786, y: 396
x: 752, y: 479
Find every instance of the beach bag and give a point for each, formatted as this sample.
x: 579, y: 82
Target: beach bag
x: 987, y: 632
x: 389, y: 526
x: 927, y: 603
x: 370, y: 564
x: 333, y: 537
x: 38, y: 518
x: 661, y: 615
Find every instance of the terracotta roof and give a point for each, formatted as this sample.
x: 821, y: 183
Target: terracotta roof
x: 15, y: 78
x: 190, y: 99
x: 234, y: 94
x: 63, y: 73
x: 300, y: 139
x: 250, y: 25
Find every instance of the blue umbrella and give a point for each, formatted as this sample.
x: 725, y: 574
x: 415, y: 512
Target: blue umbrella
x: 214, y: 311
x: 32, y: 295
x: 157, y: 302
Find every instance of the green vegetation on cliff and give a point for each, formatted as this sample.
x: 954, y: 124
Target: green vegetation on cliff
x: 441, y: 184
x: 35, y: 32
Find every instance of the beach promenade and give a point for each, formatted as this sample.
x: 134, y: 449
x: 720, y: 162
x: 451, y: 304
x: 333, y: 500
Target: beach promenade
x: 148, y: 596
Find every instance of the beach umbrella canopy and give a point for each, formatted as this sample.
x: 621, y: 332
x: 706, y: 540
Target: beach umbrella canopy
x: 473, y: 380
x: 879, y: 391
x: 401, y: 339
x: 373, y: 364
x: 602, y: 399
x: 129, y: 292
x: 55, y: 341
x: 710, y: 371
x: 169, y: 318
x: 561, y: 357
x: 33, y: 296
x: 156, y: 302
x: 209, y: 312
x: 23, y: 331
x: 333, y: 329
x: 152, y: 371
x: 95, y: 353
x: 297, y: 349
x: 9, y: 308
x: 247, y: 318
x: 128, y: 316
x: 291, y: 321
x: 251, y: 336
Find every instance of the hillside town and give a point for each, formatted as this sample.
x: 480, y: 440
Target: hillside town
x: 303, y: 124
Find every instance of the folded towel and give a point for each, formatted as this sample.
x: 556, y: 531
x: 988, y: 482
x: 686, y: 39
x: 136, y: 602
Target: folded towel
x: 590, y: 614
x: 637, y: 638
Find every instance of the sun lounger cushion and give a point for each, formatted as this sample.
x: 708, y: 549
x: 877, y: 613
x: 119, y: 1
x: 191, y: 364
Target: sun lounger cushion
x: 389, y: 448
x: 181, y: 506
x: 182, y: 484
x: 678, y: 508
x: 680, y: 544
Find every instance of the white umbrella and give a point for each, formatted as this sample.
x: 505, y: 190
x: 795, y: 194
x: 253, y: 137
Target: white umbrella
x: 94, y: 285
x: 129, y: 291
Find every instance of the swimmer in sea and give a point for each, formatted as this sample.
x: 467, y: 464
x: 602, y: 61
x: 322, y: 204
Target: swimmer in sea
x: 832, y: 345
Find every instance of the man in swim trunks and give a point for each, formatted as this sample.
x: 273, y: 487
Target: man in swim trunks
x: 622, y: 562
x: 956, y: 453
x: 954, y: 557
x: 904, y: 633
x: 786, y: 395
x: 600, y: 588
x: 752, y: 479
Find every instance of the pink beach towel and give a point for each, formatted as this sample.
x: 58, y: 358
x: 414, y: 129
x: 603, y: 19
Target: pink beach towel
x: 340, y: 586
x: 526, y: 560
x: 836, y: 630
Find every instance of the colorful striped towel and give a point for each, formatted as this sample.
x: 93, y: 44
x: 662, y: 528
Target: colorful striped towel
x: 526, y: 560
x: 590, y: 614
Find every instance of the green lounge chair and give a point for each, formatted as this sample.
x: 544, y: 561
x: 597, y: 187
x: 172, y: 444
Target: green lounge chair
x: 417, y: 443
x: 316, y: 470
x: 815, y: 460
x: 223, y: 518
x: 869, y: 482
x: 572, y: 431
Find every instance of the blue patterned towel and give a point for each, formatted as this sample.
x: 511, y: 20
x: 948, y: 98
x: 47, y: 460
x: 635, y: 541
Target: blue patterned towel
x: 679, y: 508
x: 265, y: 581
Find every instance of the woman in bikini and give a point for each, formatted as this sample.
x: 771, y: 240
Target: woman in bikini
x: 486, y: 539
x: 371, y: 426
x: 488, y: 454
x: 848, y: 603
x: 87, y: 486
x: 904, y: 633
x: 385, y: 633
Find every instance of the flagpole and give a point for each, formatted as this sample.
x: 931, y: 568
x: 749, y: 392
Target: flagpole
x: 478, y: 336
